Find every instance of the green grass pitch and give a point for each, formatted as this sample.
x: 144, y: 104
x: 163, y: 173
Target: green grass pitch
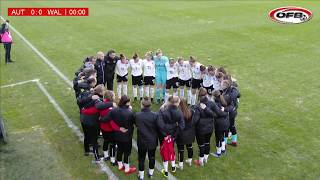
x: 277, y: 67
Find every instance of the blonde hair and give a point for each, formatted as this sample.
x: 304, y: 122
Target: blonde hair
x: 100, y: 54
x: 149, y: 53
x: 99, y: 89
x: 108, y: 95
x: 202, y: 92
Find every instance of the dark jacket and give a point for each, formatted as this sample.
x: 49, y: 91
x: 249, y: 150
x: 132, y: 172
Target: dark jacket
x: 84, y: 99
x: 221, y: 123
x: 231, y: 95
x: 187, y: 135
x: 146, y: 122
x: 80, y: 86
x: 100, y: 68
x: 170, y: 121
x: 88, y: 102
x: 123, y: 117
x: 110, y: 66
x: 206, y: 117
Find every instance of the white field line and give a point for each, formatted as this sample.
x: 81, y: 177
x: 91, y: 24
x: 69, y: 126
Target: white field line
x: 46, y: 60
x: 61, y: 75
x: 103, y: 167
x: 19, y: 83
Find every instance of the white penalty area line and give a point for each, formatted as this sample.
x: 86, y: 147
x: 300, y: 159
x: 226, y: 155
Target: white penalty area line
x: 103, y: 167
x: 64, y: 78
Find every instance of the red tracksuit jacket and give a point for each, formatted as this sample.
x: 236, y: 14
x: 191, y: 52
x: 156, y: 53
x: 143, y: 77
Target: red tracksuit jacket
x: 105, y: 126
x: 167, y: 149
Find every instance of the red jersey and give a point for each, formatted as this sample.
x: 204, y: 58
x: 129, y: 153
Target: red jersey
x: 167, y: 149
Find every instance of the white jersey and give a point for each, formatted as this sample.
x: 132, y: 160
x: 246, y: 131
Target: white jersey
x: 216, y: 83
x: 122, y: 68
x: 172, y: 71
x: 149, y: 68
x: 184, y: 71
x: 136, y: 67
x: 196, y: 73
x: 207, y: 80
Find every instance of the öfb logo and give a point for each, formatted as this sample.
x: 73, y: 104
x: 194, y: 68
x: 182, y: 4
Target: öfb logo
x: 290, y: 15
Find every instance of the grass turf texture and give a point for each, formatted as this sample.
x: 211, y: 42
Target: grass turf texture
x: 276, y: 66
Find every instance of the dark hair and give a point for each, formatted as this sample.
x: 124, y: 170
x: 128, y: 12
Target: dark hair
x: 227, y: 77
x: 122, y: 56
x: 111, y: 51
x: 211, y: 68
x: 91, y: 80
x: 91, y: 58
x: 7, y: 21
x: 221, y: 69
x: 192, y: 59
x: 185, y: 109
x: 203, y: 99
x: 219, y: 75
x: 135, y: 56
x: 202, y: 68
x: 85, y: 60
x: 88, y: 72
x: 146, y: 102
x: 123, y: 101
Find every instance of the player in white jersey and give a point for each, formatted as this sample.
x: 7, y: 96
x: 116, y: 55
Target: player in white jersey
x: 122, y: 67
x: 208, y: 80
x: 172, y: 78
x: 184, y: 70
x: 136, y: 65
x: 217, y: 79
x: 149, y: 74
x: 197, y: 71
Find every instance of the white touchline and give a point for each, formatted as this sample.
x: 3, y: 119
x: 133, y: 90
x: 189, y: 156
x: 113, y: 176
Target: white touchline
x: 68, y: 121
x: 61, y: 75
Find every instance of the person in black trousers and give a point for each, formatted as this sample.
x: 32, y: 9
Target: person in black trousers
x: 90, y: 122
x: 100, y: 67
x: 221, y: 125
x: 110, y: 60
x: 230, y: 94
x: 187, y: 136
x: 123, y: 117
x: 205, y: 111
x: 170, y: 122
x: 147, y: 136
x: 6, y: 39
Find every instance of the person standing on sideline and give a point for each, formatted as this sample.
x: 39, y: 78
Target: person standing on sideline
x: 111, y: 60
x: 161, y: 74
x: 6, y: 39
